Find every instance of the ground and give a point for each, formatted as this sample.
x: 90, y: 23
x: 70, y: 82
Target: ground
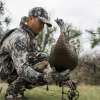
x: 86, y: 93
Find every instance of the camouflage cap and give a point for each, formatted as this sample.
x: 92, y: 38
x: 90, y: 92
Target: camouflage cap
x: 41, y: 14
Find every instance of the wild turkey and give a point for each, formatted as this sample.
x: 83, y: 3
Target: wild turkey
x: 63, y: 55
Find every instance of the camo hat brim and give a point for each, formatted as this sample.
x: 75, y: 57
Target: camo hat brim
x: 44, y: 20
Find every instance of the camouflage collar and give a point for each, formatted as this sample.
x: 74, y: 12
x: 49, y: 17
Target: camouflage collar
x: 29, y: 31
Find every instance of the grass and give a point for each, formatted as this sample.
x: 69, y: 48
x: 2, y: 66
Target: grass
x: 40, y: 93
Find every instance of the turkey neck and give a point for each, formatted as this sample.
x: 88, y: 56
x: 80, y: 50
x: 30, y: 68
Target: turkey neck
x: 61, y: 40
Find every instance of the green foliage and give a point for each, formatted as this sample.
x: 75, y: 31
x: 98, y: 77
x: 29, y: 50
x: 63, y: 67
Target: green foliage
x: 72, y: 32
x: 45, y: 39
x: 95, y: 37
x: 4, y: 19
x: 95, y: 42
x: 73, y: 36
x: 1, y: 7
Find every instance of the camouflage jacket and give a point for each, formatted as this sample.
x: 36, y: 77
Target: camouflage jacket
x: 15, y: 53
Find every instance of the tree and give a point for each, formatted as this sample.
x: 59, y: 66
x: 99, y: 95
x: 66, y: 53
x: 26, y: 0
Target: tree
x: 72, y: 35
x: 95, y: 37
x: 45, y: 39
x: 4, y: 20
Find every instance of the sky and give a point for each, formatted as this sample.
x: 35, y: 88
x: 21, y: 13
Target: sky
x: 84, y: 14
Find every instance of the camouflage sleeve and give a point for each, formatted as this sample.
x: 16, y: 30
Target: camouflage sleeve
x: 20, y: 57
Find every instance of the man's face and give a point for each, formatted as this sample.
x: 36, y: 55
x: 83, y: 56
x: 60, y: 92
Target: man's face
x: 35, y: 24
